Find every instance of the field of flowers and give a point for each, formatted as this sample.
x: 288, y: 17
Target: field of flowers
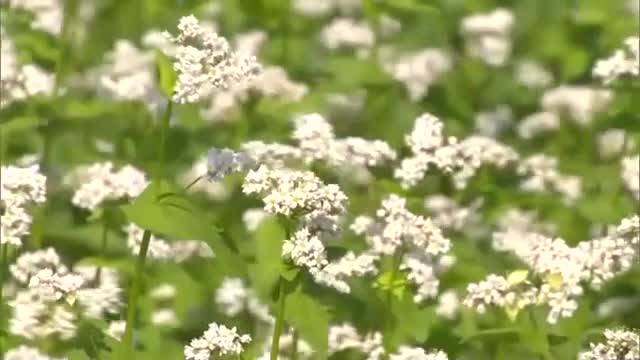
x: 320, y: 179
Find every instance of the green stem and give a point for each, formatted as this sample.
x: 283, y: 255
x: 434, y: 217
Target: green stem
x: 133, y: 296
x: 164, y: 132
x: 193, y: 182
x: 277, y: 331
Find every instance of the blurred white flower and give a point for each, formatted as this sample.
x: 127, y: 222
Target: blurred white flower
x: 488, y: 35
x: 420, y: 70
x: 448, y: 304
x: 630, y: 173
x: 217, y: 340
x: 24, y: 352
x: 580, y: 103
x: 532, y: 75
x: 619, y: 344
x: 494, y: 123
x: 99, y: 183
x: 537, y: 123
x: 20, y: 190
x: 347, y: 33
x: 623, y: 62
x: 612, y: 142
x: 542, y: 175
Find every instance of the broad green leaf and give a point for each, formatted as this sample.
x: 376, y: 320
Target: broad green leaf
x: 166, y: 74
x: 162, y: 209
x: 310, y: 318
x: 517, y: 276
x: 19, y: 123
x: 268, y: 266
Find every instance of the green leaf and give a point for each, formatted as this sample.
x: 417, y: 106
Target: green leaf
x: 555, y: 281
x: 289, y: 271
x: 393, y: 281
x: 517, y: 276
x: 77, y: 355
x: 268, y: 266
x: 310, y: 319
x: 161, y: 209
x: 166, y: 74
x: 19, y: 123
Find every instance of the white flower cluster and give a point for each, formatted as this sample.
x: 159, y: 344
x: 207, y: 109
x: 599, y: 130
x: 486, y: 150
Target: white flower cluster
x: 347, y: 33
x: 448, y: 304
x: 204, y: 62
x: 234, y: 297
x: 448, y: 214
x: 612, y: 142
x: 100, y: 183
x: 273, y: 82
x: 494, y: 122
x: 630, y: 174
x: 414, y: 353
x: 317, y: 8
x: 542, y: 175
x: 497, y: 291
x: 24, y: 352
x: 488, y: 35
x: 53, y: 285
x: 128, y: 74
x: 47, y: 14
x: 217, y: 340
x: 513, y: 227
x: 17, y: 81
x: 562, y: 269
x: 317, y: 140
x: 221, y: 162
x: 419, y: 241
x: 289, y: 192
x: 36, y: 310
x: 345, y: 337
x: 160, y: 249
x: 537, y: 123
x: 420, y: 70
x: 580, y: 103
x: 620, y: 344
x: 623, y: 62
x: 532, y: 75
x: 460, y: 158
x: 20, y: 189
